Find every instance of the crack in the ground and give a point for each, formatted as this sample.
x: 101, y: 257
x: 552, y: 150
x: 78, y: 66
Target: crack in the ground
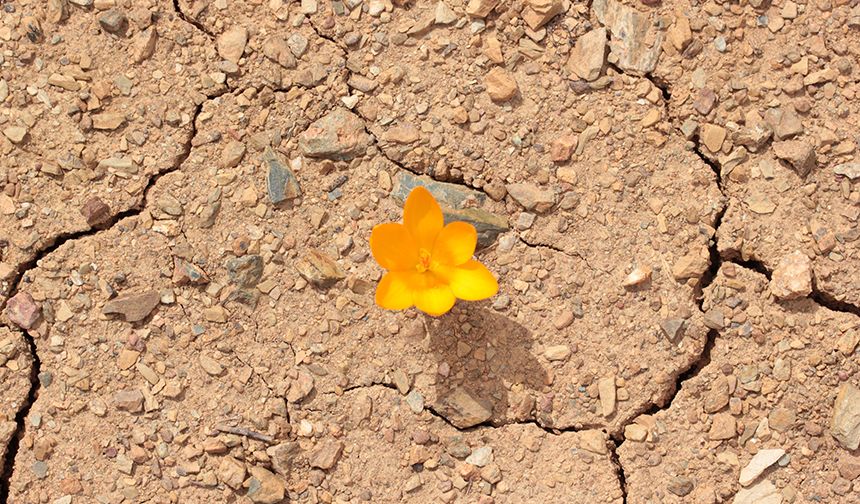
x: 615, y: 439
x: 715, y: 262
x: 750, y: 264
x: 320, y: 34
x: 619, y: 469
x: 20, y: 417
x: 376, y: 141
x: 403, y: 167
x: 559, y: 250
x: 487, y: 424
x: 819, y: 296
x: 830, y: 302
x: 695, y: 366
x: 550, y: 247
x: 57, y: 241
x: 8, y: 464
x: 715, y: 167
x: 193, y: 22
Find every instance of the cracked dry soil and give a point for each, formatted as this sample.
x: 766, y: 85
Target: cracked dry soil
x: 667, y: 192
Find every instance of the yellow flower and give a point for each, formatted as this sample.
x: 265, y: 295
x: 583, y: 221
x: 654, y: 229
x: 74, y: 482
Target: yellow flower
x: 429, y: 264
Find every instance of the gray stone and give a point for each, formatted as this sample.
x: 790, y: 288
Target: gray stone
x: 40, y: 469
x: 457, y: 448
x: 113, y: 21
x: 451, y: 195
x: 298, y: 44
x: 281, y: 183
x: 415, y: 401
x: 245, y: 271
x: 673, y: 328
x: 124, y: 84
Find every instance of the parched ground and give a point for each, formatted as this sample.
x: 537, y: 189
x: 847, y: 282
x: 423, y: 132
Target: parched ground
x: 666, y: 191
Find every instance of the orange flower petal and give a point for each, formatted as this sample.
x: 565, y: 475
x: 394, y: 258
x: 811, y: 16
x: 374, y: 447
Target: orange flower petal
x: 394, y: 291
x: 455, y: 244
x: 393, y: 247
x: 434, y: 297
x: 471, y: 281
x: 422, y: 217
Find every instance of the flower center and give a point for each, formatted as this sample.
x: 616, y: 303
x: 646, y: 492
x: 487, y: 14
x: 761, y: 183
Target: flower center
x: 423, y: 261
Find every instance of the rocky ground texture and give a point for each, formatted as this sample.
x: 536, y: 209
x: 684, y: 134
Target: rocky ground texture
x: 667, y: 191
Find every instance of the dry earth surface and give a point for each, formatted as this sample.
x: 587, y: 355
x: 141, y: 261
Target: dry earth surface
x: 668, y: 192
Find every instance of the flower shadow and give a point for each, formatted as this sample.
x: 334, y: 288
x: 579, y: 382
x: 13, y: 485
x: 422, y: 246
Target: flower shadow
x: 488, y: 372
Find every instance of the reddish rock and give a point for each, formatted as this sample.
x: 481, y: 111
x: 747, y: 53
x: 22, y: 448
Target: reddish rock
x: 23, y: 311
x: 95, y: 211
x: 562, y: 148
